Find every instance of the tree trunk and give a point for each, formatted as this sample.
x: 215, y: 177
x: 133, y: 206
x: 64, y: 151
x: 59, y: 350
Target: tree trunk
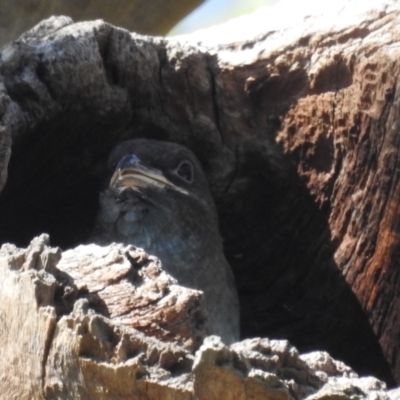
x: 297, y: 132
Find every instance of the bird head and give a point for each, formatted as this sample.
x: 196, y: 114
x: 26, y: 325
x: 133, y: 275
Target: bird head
x: 130, y: 172
x: 151, y: 166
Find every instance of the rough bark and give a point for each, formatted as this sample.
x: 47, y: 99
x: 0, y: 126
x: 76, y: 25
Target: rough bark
x: 149, y: 17
x: 296, y: 129
x: 128, y: 286
x: 59, y: 342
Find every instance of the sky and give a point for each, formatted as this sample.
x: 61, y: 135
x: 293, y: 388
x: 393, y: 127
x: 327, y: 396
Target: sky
x: 213, y: 12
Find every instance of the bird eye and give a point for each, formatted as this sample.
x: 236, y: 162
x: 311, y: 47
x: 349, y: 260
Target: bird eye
x: 185, y: 171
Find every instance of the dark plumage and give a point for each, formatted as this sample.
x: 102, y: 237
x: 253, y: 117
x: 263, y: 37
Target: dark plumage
x: 158, y: 199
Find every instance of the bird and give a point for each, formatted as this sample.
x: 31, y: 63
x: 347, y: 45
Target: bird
x: 158, y: 199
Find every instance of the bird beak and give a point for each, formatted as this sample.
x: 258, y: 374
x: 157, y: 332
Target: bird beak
x: 131, y: 172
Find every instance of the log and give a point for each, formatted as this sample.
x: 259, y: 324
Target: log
x: 58, y: 343
x: 297, y: 132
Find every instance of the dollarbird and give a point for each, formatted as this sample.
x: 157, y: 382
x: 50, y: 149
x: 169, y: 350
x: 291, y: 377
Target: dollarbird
x: 158, y: 199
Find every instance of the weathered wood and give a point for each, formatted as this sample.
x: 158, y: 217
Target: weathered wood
x: 128, y: 286
x: 297, y: 131
x: 57, y: 342
x: 28, y: 318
